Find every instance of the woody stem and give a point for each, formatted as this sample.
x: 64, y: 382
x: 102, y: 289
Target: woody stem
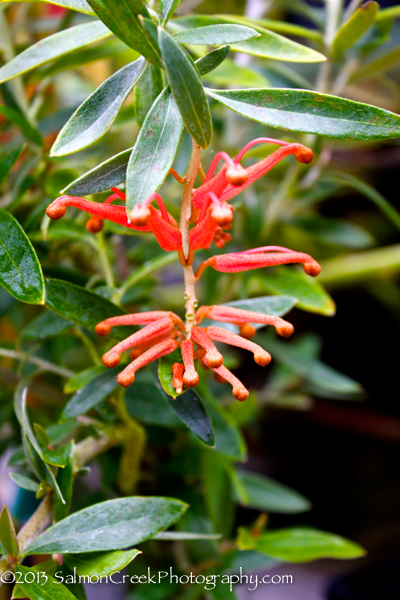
x: 186, y: 213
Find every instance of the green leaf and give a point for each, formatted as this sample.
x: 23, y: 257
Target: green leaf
x: 187, y: 89
x: 267, y: 45
x: 166, y: 9
x: 24, y: 482
x: 79, y: 5
x: 80, y: 379
x: 8, y: 537
x: 229, y: 71
x: 154, y: 151
x: 311, y: 112
x: 149, y: 86
x: 327, y: 380
x: 18, y: 118
x: 212, y: 60
x: 300, y: 544
x: 52, y: 47
x: 109, y: 525
x: 268, y: 495
x: 91, y: 394
x: 95, y: 116
x: 190, y: 410
x: 334, y: 232
x: 65, y: 480
x: 46, y: 325
x: 20, y: 271
x: 81, y: 306
x: 100, y: 563
x: 216, y: 35
x: 309, y: 292
x: 106, y: 175
x: 350, y: 31
x: 7, y: 163
x: 38, y: 590
x: 122, y: 18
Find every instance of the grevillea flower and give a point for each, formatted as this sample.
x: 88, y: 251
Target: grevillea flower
x: 164, y: 332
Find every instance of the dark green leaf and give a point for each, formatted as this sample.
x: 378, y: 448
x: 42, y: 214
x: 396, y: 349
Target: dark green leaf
x: 187, y: 89
x: 65, y: 480
x: 154, y: 151
x: 300, y: 544
x: 216, y: 35
x: 122, y: 18
x: 190, y: 410
x: 100, y: 563
x: 24, y: 482
x: 309, y: 292
x: 108, y: 174
x: 314, y: 371
x: 334, y: 232
x: 212, y: 60
x: 268, y: 495
x: 81, y: 306
x: 53, y: 47
x: 51, y: 590
x: 20, y: 270
x: 149, y: 86
x: 7, y: 163
x: 18, y: 118
x: 166, y: 9
x: 80, y: 379
x: 109, y: 525
x: 45, y: 325
x: 350, y: 31
x: 95, y: 116
x: 91, y: 394
x: 8, y: 537
x: 311, y: 112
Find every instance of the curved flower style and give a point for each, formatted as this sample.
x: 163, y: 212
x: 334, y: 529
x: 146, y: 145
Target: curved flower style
x: 163, y: 332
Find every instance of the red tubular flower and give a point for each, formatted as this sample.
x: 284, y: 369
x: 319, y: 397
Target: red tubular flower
x: 259, y: 257
x: 230, y: 314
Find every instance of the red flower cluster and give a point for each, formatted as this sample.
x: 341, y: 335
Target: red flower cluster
x: 163, y: 332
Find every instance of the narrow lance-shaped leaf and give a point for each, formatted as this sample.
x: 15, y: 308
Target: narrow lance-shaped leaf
x: 108, y: 174
x: 7, y: 163
x: 78, y: 5
x: 355, y: 27
x: 110, y: 525
x: 299, y: 544
x: 96, y: 115
x: 154, y: 151
x: 187, y: 89
x: 20, y: 270
x: 54, y: 46
x: 216, y: 35
x: 166, y: 9
x: 122, y: 18
x: 311, y: 112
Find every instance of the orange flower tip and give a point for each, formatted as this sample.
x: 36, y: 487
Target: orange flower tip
x: 214, y: 359
x: 312, y: 268
x: 102, y: 329
x: 55, y: 210
x: 236, y: 175
x: 262, y: 358
x: 95, y: 224
x: 222, y: 215
x: 240, y: 393
x: 140, y: 215
x: 285, y: 330
x: 125, y: 380
x: 191, y: 379
x: 304, y: 154
x: 247, y: 331
x: 111, y: 359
